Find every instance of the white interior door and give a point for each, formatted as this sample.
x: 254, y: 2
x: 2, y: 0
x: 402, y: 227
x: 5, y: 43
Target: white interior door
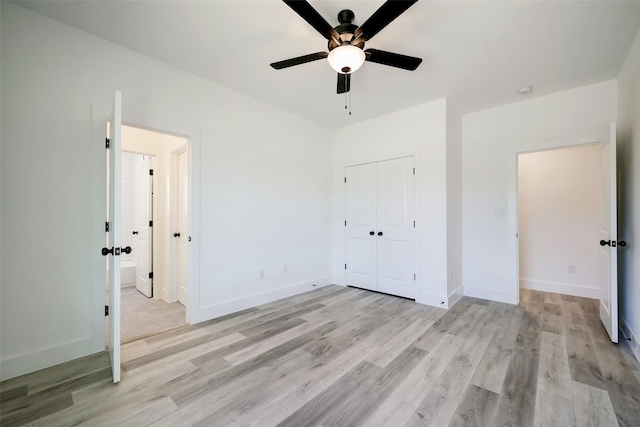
x: 113, y: 216
x: 609, y: 235
x: 361, y: 251
x: 144, y: 283
x: 395, y: 232
x: 182, y: 225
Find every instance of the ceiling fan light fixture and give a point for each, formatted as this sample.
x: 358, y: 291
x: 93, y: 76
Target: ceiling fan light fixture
x: 346, y: 59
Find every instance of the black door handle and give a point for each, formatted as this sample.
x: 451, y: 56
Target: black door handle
x: 622, y: 243
x: 605, y: 243
x: 135, y: 232
x: 371, y: 233
x: 379, y: 233
x: 127, y: 250
x: 176, y: 234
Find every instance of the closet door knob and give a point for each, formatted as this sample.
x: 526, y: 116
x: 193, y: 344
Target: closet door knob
x: 176, y: 234
x: 379, y: 233
x: 371, y: 233
x: 605, y: 242
x: 135, y: 232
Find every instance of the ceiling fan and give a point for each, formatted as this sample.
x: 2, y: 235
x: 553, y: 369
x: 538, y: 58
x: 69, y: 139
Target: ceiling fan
x: 346, y: 41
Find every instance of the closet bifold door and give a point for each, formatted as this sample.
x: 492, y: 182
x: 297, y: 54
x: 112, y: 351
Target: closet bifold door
x: 380, y: 233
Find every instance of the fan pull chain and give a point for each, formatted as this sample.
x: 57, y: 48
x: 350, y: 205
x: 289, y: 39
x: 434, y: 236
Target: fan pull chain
x: 347, y: 101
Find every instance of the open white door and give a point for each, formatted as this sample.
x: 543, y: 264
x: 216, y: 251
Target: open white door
x: 609, y: 235
x: 113, y: 217
x: 144, y: 184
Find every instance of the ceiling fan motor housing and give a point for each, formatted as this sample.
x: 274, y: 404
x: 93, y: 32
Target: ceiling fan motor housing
x: 346, y: 30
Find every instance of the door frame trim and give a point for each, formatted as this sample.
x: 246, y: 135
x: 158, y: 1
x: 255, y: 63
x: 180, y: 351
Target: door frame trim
x: 193, y: 149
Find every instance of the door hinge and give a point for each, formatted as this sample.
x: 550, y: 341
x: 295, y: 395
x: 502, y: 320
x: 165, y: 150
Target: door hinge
x: 414, y: 171
x: 106, y: 142
x: 345, y: 179
x: 414, y: 276
x: 345, y: 266
x: 150, y: 171
x: 151, y: 275
x: 106, y: 310
x: 414, y: 224
x: 106, y: 226
x: 345, y: 222
x: 150, y: 223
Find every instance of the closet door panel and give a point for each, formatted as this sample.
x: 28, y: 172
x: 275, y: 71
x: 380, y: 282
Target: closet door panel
x: 395, y: 220
x: 361, y: 201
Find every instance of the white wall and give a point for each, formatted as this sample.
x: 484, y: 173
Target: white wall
x: 419, y: 131
x: 629, y: 191
x: 265, y: 187
x: 491, y: 140
x: 559, y: 208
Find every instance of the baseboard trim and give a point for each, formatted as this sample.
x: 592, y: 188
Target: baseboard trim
x: 31, y: 362
x: 560, y: 288
x: 217, y: 310
x: 490, y: 294
x: 455, y: 296
x: 627, y: 332
x: 433, y: 300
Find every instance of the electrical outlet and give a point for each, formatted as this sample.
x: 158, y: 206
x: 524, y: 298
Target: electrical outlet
x: 262, y: 274
x: 572, y: 268
x: 500, y: 211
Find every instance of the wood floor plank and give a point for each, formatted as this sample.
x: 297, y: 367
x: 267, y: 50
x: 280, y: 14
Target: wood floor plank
x: 22, y: 416
x: 342, y: 403
x: 477, y: 408
x: 432, y: 336
x: 393, y: 412
x: 552, y: 318
x: 554, y: 375
x: 265, y: 345
x: 593, y: 406
x: 13, y: 393
x: 582, y: 359
x: 516, y: 405
x: 625, y: 399
x: 419, y: 382
x: 324, y: 371
x: 392, y: 348
x: 492, y: 368
x: 552, y: 411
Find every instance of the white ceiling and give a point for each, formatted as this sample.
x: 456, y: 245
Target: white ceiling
x: 477, y: 53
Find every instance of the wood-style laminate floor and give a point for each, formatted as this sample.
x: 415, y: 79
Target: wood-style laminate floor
x: 347, y: 357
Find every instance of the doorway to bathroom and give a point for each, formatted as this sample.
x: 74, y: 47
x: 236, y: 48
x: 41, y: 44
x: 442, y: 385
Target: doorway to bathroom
x: 154, y: 213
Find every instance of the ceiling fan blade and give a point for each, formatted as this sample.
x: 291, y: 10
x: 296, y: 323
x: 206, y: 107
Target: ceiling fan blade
x: 344, y: 83
x: 309, y: 14
x: 299, y: 60
x: 382, y: 17
x: 392, y: 59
